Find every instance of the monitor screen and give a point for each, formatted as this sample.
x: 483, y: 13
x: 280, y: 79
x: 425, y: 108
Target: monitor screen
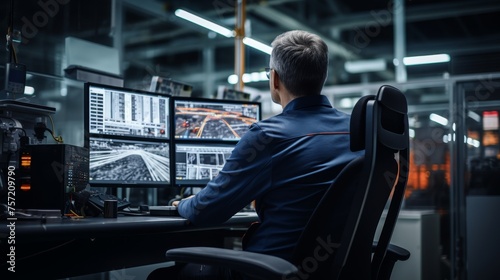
x: 169, y: 86
x: 127, y: 133
x: 211, y: 119
x: 196, y: 164
x: 232, y: 94
x: 126, y: 112
x: 131, y: 162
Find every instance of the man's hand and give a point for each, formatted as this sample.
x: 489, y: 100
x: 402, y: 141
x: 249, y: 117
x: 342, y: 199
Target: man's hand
x: 176, y: 203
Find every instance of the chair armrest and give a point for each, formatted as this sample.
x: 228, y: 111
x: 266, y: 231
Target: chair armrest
x: 393, y: 254
x: 253, y: 264
x: 397, y: 253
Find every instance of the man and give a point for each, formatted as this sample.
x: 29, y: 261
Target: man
x: 284, y: 163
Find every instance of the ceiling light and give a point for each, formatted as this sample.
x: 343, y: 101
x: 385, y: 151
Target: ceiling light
x: 221, y: 30
x: 473, y: 142
x: 204, y: 23
x: 438, y: 119
x: 475, y: 116
x: 365, y: 66
x: 233, y: 79
x: 29, y: 90
x: 248, y: 77
x: 257, y: 45
x: 411, y: 133
x: 426, y: 59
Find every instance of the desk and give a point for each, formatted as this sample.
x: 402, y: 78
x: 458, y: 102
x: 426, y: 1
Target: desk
x: 66, y: 247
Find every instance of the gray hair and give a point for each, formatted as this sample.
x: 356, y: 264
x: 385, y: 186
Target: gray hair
x: 301, y: 61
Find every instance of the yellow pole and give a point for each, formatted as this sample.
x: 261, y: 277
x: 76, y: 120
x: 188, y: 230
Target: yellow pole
x: 239, y: 51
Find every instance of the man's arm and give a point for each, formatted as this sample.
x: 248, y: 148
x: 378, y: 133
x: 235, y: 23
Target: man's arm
x: 243, y: 178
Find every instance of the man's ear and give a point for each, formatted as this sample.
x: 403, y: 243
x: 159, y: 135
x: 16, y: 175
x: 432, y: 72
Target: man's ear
x: 276, y: 80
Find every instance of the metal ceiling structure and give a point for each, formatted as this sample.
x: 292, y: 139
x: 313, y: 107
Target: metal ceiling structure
x: 153, y: 38
x: 153, y: 41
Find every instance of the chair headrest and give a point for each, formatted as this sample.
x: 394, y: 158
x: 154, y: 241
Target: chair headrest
x: 393, y: 124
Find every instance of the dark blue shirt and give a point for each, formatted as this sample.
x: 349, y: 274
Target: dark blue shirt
x: 284, y: 163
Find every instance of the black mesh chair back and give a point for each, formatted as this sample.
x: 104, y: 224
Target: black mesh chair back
x: 338, y: 242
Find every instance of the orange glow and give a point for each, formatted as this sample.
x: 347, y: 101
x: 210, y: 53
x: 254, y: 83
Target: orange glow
x: 26, y: 161
x: 490, y: 138
x: 418, y: 177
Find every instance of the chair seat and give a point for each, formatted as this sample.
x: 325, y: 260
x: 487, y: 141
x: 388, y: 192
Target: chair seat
x: 256, y: 265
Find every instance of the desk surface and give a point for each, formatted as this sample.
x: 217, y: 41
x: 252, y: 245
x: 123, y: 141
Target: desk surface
x: 93, y: 227
x: 63, y: 247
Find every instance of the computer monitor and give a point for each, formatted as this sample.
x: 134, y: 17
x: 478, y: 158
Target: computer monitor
x: 232, y: 94
x: 126, y: 112
x: 170, y: 86
x: 129, y: 162
x: 127, y: 133
x: 212, y: 119
x: 197, y: 163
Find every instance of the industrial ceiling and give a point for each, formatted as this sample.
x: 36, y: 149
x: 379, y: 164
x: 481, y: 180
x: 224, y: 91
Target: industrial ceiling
x: 153, y: 41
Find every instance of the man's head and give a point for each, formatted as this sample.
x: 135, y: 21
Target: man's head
x: 300, y: 61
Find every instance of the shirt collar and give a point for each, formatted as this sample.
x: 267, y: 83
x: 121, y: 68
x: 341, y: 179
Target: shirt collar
x: 307, y: 101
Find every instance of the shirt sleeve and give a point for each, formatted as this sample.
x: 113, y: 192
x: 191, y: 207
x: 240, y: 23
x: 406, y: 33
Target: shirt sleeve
x: 243, y: 178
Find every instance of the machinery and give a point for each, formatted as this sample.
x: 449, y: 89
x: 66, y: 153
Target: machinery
x: 21, y: 124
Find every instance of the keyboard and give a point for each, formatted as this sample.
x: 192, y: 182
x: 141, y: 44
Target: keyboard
x: 163, y: 211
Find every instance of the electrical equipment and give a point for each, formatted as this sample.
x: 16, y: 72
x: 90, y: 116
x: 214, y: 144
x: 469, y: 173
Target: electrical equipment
x: 17, y: 122
x: 15, y: 78
x: 48, y: 173
x: 170, y: 87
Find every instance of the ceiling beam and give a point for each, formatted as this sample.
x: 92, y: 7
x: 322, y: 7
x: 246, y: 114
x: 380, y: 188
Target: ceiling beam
x: 265, y: 10
x: 149, y: 7
x: 177, y: 46
x: 413, y: 14
x: 478, y: 45
x: 288, y: 22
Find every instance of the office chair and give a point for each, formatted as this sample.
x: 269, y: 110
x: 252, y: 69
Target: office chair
x: 335, y: 245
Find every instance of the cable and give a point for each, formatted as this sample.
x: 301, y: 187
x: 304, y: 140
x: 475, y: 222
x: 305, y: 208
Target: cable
x: 20, y: 128
x: 75, y: 215
x: 12, y: 50
x: 10, y: 31
x: 59, y: 138
x: 48, y: 250
x: 41, y: 127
